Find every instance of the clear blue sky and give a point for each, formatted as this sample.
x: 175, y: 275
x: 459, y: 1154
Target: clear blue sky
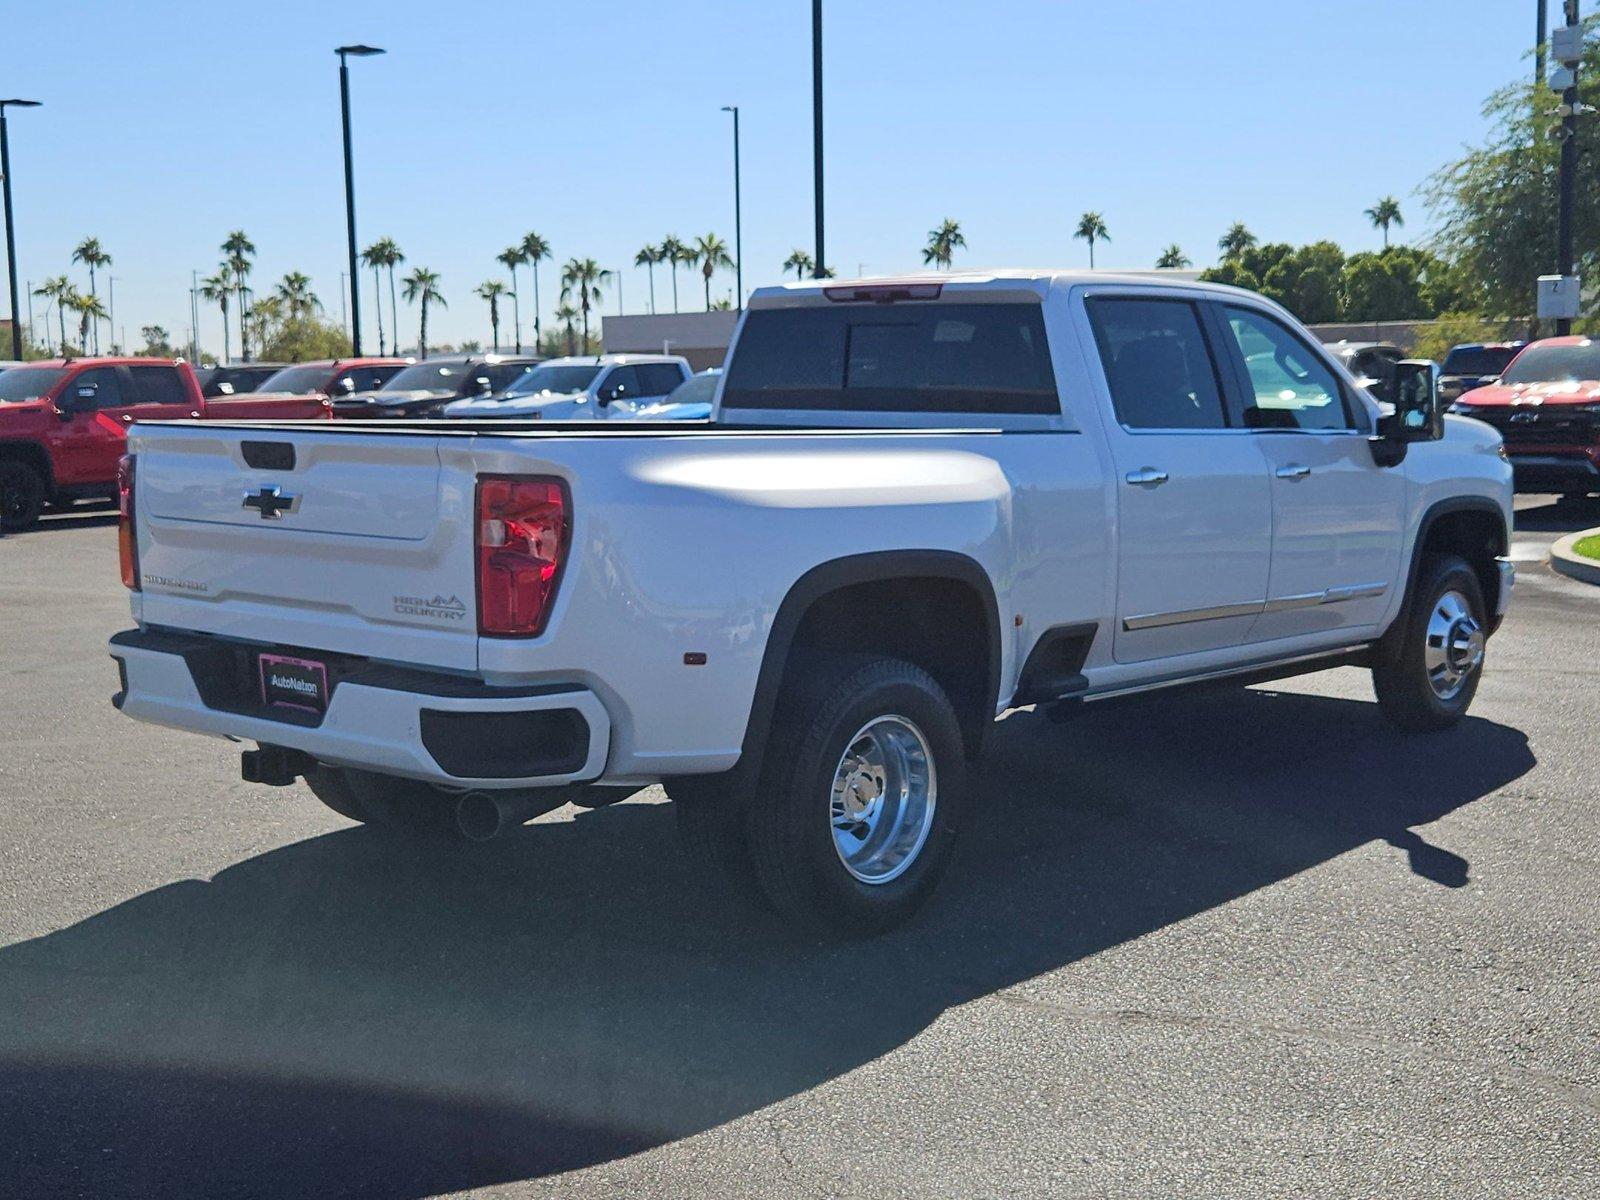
x: 169, y: 122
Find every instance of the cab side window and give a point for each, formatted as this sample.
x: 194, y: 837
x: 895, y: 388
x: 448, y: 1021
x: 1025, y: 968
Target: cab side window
x: 106, y: 385
x: 1157, y: 363
x: 1290, y: 386
x: 156, y: 385
x: 657, y: 379
x: 621, y: 384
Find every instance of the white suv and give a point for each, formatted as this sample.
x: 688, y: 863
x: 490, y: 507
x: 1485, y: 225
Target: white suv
x: 588, y: 388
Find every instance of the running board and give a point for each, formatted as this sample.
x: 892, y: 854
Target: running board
x: 1246, y: 674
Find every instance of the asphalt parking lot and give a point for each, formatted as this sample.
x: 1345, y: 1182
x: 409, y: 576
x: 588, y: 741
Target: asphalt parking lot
x: 1242, y: 943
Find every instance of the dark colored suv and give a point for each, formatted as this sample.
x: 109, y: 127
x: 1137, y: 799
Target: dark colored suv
x: 424, y: 388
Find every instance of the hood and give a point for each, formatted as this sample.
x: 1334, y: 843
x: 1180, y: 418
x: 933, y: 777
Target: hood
x: 382, y: 399
x: 12, y: 411
x: 507, y: 404
x: 1502, y: 395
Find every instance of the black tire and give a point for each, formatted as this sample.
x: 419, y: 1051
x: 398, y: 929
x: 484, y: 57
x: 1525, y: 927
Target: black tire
x: 1400, y: 672
x: 22, y: 496
x: 387, y: 801
x: 788, y: 820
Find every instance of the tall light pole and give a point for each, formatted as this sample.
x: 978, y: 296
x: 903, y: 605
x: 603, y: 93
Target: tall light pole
x: 819, y: 270
x: 738, y: 222
x: 194, y: 317
x: 1570, y: 51
x: 345, y: 53
x: 11, y: 229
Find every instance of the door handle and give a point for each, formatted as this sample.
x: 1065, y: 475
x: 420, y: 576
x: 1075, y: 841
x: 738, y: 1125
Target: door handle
x: 1293, y: 471
x: 1147, y: 477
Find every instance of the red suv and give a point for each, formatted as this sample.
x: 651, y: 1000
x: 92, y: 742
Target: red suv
x: 1546, y: 406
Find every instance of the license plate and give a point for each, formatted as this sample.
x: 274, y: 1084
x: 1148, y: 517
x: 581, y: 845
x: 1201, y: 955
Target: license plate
x: 294, y: 683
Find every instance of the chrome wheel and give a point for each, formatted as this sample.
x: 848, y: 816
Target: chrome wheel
x: 1454, y: 645
x: 882, y: 801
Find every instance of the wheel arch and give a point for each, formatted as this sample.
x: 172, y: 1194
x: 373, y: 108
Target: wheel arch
x: 1472, y: 526
x: 33, y: 454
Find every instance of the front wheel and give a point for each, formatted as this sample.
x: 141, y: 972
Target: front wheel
x: 22, y: 496
x: 855, y: 815
x: 1425, y: 680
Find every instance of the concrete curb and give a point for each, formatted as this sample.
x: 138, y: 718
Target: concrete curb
x: 1565, y: 560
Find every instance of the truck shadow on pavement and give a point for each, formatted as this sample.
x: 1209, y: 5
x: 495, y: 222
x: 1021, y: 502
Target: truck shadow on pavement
x: 356, y: 1015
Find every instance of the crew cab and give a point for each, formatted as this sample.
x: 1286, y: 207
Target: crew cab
x: 919, y: 505
x: 234, y: 379
x: 1546, y: 405
x: 308, y: 389
x: 590, y: 388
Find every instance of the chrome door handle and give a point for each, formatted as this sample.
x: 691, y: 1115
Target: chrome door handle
x: 1293, y: 471
x: 1147, y: 477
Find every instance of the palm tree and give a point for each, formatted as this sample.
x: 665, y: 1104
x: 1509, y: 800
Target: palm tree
x: 90, y: 254
x: 1236, y: 241
x: 217, y: 289
x: 581, y: 279
x: 392, y: 258
x: 648, y: 258
x: 1384, y: 213
x: 294, y: 291
x: 943, y: 243
x: 1092, y: 229
x: 58, y: 289
x: 711, y: 252
x: 567, y: 314
x: 535, y: 249
x: 373, y: 257
x: 491, y: 290
x: 800, y: 263
x: 1173, y: 258
x: 511, y: 258
x: 423, y: 284
x: 238, y: 248
x: 88, y: 309
x: 675, y: 252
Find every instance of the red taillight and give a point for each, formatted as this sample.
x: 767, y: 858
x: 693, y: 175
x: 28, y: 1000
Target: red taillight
x: 523, y: 527
x: 127, y: 546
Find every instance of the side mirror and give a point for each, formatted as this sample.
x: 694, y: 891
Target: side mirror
x: 1417, y: 416
x: 347, y: 386
x: 606, y: 395
x: 485, y: 388
x: 79, y: 399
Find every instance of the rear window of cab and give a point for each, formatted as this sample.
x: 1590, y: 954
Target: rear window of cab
x: 902, y: 357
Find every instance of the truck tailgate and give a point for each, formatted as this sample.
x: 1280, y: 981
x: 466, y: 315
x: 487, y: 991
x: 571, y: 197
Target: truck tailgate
x: 333, y: 542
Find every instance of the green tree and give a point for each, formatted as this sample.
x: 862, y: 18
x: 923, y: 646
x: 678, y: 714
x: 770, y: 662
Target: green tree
x: 648, y: 257
x: 157, y: 342
x: 943, y: 243
x: 393, y: 256
x: 301, y: 339
x: 1172, y: 259
x: 238, y: 252
x: 1307, y: 282
x: 1384, y: 213
x: 217, y: 288
x: 711, y: 252
x: 535, y: 249
x: 1092, y: 229
x: 422, y: 285
x: 373, y: 256
x: 91, y: 254
x: 676, y: 253
x: 1236, y: 241
x: 294, y: 292
x: 580, y: 280
x: 491, y: 290
x: 511, y: 258
x: 566, y: 314
x: 58, y: 290
x: 800, y: 262
x: 89, y: 309
x: 1233, y: 273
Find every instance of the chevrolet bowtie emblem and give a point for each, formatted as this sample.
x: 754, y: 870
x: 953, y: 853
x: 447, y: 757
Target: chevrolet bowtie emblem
x: 271, y: 502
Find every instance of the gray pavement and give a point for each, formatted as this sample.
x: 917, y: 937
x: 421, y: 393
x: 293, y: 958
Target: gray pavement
x: 1241, y: 943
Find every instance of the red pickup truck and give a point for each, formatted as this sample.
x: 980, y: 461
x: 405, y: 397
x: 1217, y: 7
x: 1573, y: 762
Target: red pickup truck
x: 63, y: 424
x: 307, y: 389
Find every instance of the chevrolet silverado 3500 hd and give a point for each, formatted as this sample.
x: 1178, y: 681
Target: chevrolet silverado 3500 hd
x: 920, y: 503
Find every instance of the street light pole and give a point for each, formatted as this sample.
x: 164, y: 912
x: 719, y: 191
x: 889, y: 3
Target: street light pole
x: 194, y: 317
x: 819, y: 270
x: 344, y: 53
x: 1569, y: 171
x: 11, y: 229
x: 1538, y: 43
x: 738, y: 218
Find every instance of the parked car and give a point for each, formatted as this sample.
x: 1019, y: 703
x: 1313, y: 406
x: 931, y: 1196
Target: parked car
x: 589, y: 388
x: 1372, y: 363
x: 1474, y: 365
x: 308, y: 389
x: 63, y: 426
x: 1546, y: 405
x: 234, y: 379
x: 933, y: 501
x: 691, y: 400
x: 423, y: 388
x: 7, y: 363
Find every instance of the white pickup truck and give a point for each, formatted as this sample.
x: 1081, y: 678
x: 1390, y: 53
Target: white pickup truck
x: 920, y: 504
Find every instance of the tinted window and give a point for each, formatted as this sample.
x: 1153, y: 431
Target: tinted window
x: 306, y: 378
x: 657, y: 379
x: 1485, y: 360
x: 367, y: 379
x: 499, y: 375
x: 157, y: 385
x: 426, y: 377
x: 621, y: 384
x: 1549, y: 364
x: 906, y: 357
x: 28, y: 383
x: 1291, y: 386
x: 1157, y: 364
x: 698, y: 390
x: 550, y: 378
x: 108, y: 388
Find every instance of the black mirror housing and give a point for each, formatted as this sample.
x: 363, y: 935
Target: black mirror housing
x: 1418, y: 414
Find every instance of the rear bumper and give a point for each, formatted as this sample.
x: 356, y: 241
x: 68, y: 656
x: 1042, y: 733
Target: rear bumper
x: 440, y: 728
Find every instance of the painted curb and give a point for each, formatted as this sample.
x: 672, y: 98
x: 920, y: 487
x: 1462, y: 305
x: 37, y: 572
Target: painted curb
x: 1564, y: 559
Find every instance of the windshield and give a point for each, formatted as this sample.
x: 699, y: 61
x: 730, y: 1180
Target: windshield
x: 1478, y: 360
x: 28, y: 383
x: 308, y: 377
x: 427, y: 377
x: 698, y: 390
x: 545, y: 378
x: 1539, y: 364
